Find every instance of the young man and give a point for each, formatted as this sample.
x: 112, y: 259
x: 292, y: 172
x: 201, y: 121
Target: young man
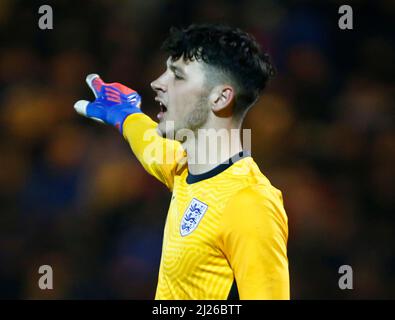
x: 226, y: 221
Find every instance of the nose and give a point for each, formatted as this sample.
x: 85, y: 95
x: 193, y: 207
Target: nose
x: 158, y: 85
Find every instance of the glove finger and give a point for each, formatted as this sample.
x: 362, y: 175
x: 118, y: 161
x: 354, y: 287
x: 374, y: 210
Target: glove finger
x: 95, y: 83
x: 80, y: 107
x: 89, y: 110
x: 95, y: 111
x: 122, y: 88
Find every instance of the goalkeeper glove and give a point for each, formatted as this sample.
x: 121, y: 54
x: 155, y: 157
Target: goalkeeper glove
x: 114, y: 102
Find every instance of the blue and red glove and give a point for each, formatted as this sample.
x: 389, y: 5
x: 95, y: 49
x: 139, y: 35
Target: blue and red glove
x: 114, y: 102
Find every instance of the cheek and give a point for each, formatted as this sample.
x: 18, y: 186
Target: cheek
x: 183, y: 100
x: 185, y: 107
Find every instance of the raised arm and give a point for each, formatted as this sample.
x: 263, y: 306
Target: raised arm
x: 119, y: 106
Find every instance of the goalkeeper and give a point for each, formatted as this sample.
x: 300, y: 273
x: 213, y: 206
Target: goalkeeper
x: 226, y: 222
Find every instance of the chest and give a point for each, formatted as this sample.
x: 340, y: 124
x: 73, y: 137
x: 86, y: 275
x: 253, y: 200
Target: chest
x: 193, y: 217
x: 191, y: 237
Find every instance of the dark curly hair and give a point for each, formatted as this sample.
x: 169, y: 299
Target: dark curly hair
x: 231, y: 53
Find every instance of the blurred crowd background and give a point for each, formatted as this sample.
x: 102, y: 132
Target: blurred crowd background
x: 73, y: 196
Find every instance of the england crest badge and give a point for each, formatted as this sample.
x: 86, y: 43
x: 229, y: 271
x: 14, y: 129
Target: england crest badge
x: 192, y: 216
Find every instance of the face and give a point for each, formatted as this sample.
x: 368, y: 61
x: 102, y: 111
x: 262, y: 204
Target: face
x: 183, y: 97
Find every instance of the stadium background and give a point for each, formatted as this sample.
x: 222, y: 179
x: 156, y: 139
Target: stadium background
x: 73, y: 196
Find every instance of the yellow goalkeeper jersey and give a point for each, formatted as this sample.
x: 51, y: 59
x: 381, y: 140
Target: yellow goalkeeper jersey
x: 224, y: 225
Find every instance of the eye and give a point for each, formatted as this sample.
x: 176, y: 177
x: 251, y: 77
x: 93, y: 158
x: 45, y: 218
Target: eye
x: 177, y: 76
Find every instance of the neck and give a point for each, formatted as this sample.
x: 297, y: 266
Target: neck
x: 211, y: 147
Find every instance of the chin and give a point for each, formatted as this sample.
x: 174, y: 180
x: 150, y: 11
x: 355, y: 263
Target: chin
x: 161, y: 129
x: 160, y: 132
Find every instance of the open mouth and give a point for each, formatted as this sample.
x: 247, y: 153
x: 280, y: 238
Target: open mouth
x: 163, y: 109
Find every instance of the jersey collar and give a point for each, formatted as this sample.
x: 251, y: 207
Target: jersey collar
x: 193, y: 178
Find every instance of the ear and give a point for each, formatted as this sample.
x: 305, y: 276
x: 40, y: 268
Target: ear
x: 221, y: 100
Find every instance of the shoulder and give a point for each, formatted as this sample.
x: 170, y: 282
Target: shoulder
x: 256, y: 207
